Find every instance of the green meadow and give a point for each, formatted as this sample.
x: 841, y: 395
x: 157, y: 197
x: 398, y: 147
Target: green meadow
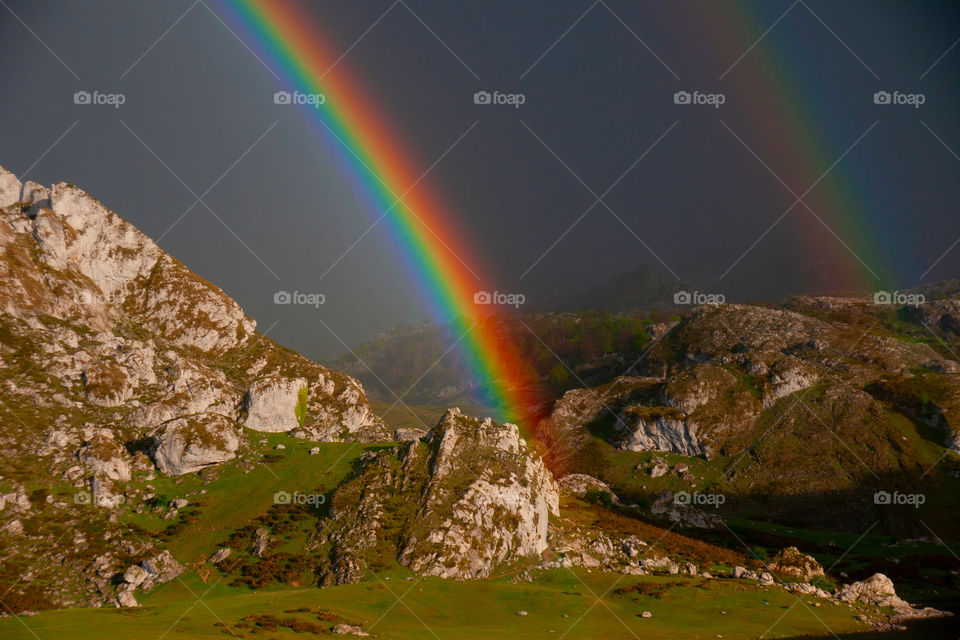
x: 559, y: 604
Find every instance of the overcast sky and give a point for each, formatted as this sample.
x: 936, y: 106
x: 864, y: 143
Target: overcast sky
x: 711, y: 190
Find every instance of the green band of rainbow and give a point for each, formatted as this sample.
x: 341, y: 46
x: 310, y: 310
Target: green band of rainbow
x: 420, y: 227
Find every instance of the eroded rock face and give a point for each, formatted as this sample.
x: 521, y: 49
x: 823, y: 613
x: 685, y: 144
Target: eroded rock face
x: 189, y: 444
x: 660, y: 429
x: 472, y: 497
x: 9, y: 188
x: 271, y: 404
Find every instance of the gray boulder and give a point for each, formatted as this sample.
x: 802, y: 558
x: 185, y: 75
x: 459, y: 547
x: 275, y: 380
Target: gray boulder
x: 189, y: 444
x: 271, y: 404
x: 9, y: 188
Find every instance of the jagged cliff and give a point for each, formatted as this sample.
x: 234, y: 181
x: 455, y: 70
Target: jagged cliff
x: 468, y: 497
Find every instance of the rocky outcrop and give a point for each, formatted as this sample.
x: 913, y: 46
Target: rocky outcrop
x: 660, y: 429
x: 791, y: 562
x: 104, y: 456
x: 276, y: 404
x: 470, y: 497
x: 568, y: 427
x: 144, y: 576
x: 189, y: 444
x: 580, y: 484
x: 9, y: 188
x: 878, y: 590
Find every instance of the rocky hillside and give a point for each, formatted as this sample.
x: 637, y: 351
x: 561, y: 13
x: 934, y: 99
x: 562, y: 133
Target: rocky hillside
x: 116, y: 363
x: 804, y: 410
x: 468, y: 497
x: 149, y: 433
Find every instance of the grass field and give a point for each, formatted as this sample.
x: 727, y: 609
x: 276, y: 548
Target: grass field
x: 560, y: 604
x: 235, y: 496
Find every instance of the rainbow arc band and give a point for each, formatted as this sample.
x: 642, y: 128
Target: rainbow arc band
x: 373, y: 155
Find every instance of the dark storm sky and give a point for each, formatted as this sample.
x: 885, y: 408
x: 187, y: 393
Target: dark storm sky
x: 598, y: 78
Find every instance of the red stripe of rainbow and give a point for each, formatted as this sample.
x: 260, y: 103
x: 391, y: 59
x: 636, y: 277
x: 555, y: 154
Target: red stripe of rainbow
x: 287, y: 38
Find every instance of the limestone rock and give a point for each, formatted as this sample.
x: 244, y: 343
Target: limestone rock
x: 105, y: 457
x: 791, y: 562
x: 188, y: 444
x: 220, y: 555
x: 126, y: 598
x: 135, y: 575
x: 261, y: 539
x: 9, y: 188
x: 271, y: 404
x: 579, y: 484
x: 878, y: 589
x: 473, y: 495
x: 160, y: 569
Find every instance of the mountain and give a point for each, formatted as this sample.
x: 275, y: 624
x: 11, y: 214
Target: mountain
x: 641, y: 290
x: 802, y: 412
x: 118, y: 363
x: 156, y: 449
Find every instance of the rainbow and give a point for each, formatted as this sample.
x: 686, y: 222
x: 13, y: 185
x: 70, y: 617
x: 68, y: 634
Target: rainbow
x: 797, y: 136
x: 415, y: 219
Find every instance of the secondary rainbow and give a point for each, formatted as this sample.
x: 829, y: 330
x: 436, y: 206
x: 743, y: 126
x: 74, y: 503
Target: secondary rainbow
x: 372, y: 154
x: 795, y: 128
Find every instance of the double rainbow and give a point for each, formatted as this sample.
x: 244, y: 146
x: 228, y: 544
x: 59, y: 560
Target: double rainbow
x: 293, y: 46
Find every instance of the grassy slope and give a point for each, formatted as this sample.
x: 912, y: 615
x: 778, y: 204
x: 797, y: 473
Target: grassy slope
x: 686, y: 608
x: 235, y: 497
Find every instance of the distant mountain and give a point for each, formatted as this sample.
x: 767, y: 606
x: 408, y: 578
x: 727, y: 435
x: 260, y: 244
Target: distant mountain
x: 638, y: 291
